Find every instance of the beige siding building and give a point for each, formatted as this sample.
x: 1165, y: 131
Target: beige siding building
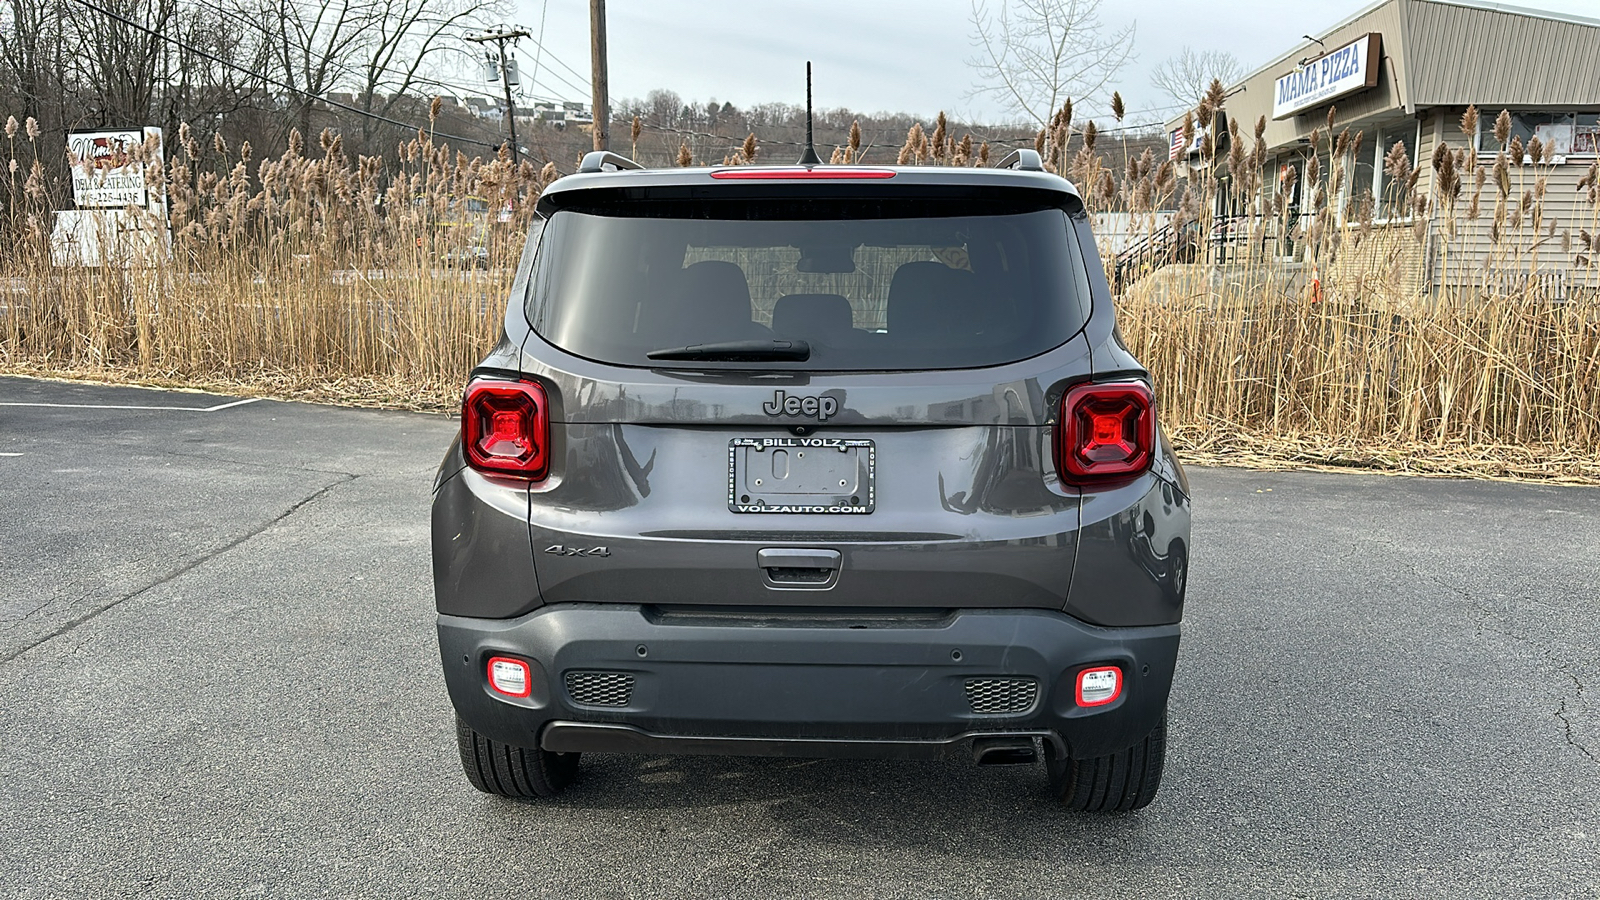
x: 1403, y: 72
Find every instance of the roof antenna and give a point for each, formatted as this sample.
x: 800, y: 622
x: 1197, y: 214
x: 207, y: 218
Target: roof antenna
x: 809, y: 156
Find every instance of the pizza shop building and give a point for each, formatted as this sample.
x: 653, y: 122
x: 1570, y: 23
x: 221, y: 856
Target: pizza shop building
x: 1404, y: 72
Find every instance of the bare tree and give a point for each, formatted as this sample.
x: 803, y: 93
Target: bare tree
x: 115, y: 66
x: 30, y: 50
x: 243, y: 69
x: 1034, y: 54
x: 402, y: 46
x: 311, y: 45
x: 206, y: 67
x: 378, y: 50
x: 1184, y: 78
x: 662, y: 107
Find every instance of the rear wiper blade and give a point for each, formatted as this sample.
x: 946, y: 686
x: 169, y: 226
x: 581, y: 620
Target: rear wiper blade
x: 738, y: 351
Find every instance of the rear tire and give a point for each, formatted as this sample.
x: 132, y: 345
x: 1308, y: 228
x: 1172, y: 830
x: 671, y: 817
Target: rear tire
x: 520, y: 773
x: 1119, y: 782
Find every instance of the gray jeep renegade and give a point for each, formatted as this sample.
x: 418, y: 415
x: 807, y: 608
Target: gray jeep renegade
x: 811, y: 461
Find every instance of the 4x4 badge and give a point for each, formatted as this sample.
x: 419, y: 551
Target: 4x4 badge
x: 560, y: 550
x: 783, y: 405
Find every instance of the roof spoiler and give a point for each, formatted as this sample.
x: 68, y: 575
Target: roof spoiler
x: 1025, y: 159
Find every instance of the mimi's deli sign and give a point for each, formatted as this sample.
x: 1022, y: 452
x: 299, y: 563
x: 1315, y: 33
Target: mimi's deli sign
x: 109, y: 173
x: 1345, y: 70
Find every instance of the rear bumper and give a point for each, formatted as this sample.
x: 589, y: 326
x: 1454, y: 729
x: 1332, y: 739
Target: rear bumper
x: 596, y: 737
x: 816, y: 684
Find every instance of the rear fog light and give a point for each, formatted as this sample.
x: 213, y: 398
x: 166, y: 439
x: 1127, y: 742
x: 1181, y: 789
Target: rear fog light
x: 511, y: 677
x: 1099, y: 686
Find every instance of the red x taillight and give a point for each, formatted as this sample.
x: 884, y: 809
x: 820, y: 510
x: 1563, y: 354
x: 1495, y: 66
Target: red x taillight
x: 1106, y: 431
x: 505, y: 428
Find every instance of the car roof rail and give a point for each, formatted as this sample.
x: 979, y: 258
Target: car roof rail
x: 597, y: 160
x: 1021, y: 158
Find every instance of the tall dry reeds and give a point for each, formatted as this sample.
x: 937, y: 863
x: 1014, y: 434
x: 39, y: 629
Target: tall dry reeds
x: 1438, y: 340
x: 294, y: 274
x: 1449, y: 325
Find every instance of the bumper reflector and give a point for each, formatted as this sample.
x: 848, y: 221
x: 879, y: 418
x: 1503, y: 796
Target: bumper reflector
x: 1099, y: 686
x: 511, y: 677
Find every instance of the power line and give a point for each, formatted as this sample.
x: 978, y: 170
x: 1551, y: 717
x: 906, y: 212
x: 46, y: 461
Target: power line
x: 553, y: 92
x: 544, y: 9
x: 582, y: 90
x: 560, y: 62
x: 454, y: 88
x: 345, y: 70
x: 274, y: 82
x: 732, y: 140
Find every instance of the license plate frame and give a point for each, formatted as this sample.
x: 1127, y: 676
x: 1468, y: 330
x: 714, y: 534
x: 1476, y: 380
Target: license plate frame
x: 856, y: 461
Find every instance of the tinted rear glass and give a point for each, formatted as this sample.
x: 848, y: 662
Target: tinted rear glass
x: 867, y: 292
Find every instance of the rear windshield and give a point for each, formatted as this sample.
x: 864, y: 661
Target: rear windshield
x: 866, y: 292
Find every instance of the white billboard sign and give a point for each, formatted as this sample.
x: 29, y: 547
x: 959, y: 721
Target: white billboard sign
x: 108, y: 171
x: 1351, y: 68
x: 103, y: 237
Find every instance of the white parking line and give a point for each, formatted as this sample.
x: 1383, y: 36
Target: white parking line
x: 216, y: 408
x: 10, y: 454
x: 230, y: 405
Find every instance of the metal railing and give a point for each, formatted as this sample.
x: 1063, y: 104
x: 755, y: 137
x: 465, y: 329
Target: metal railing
x: 1223, y: 241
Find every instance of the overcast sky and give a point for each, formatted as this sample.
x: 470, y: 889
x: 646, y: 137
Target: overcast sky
x: 880, y: 55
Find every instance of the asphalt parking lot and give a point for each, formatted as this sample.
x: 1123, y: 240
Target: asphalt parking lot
x: 219, y: 678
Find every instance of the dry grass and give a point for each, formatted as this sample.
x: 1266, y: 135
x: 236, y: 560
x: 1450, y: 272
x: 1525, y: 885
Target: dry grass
x: 1347, y: 354
x: 305, y: 276
x: 312, y: 276
x: 1221, y: 445
x: 372, y: 392
x: 1445, y: 375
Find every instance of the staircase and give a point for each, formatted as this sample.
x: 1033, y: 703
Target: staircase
x: 1175, y: 243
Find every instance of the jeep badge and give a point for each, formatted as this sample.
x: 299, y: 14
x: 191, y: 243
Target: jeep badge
x: 783, y: 405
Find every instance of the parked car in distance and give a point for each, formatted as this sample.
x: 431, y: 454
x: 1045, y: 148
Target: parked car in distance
x: 460, y: 230
x: 812, y: 461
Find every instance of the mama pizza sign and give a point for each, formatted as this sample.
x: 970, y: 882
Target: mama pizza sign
x: 1351, y: 68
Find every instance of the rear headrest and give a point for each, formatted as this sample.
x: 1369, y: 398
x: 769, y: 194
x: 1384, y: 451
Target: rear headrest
x: 708, y: 301
x: 825, y: 318
x: 716, y: 290
x: 932, y: 300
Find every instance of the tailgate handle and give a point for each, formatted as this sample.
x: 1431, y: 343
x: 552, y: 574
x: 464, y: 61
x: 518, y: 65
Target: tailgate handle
x: 776, y: 558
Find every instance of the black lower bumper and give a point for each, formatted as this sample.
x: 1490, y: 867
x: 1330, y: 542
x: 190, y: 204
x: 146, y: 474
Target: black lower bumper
x: 598, y: 737
x: 827, y: 685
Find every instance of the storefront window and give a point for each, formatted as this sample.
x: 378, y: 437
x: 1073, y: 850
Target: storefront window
x: 1361, y: 173
x: 1330, y: 191
x: 1561, y: 133
x: 1392, y: 194
x: 1586, y: 134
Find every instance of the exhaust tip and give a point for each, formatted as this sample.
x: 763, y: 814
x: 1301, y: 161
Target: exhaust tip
x: 1004, y: 751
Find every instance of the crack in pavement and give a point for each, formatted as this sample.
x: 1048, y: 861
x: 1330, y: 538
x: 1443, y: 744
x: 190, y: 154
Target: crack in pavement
x: 1566, y: 722
x: 258, y: 465
x: 1486, y: 619
x: 67, y: 627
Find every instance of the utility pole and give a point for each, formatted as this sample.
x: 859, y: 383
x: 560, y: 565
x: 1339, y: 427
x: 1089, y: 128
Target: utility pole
x: 499, y: 38
x: 597, y: 75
